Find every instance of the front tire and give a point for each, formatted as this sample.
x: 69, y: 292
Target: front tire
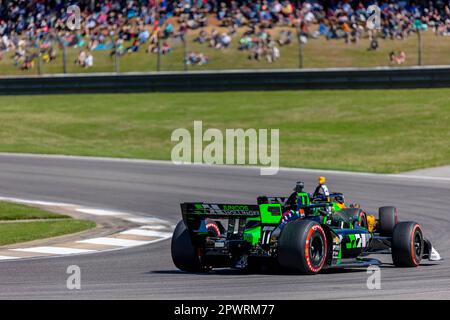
x: 184, y: 253
x: 303, y: 247
x: 407, y: 244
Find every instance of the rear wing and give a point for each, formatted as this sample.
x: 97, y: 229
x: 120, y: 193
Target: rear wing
x: 237, y: 215
x: 219, y: 210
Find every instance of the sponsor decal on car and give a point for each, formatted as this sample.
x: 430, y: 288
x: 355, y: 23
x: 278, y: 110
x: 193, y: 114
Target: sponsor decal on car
x: 358, y: 240
x: 226, y: 209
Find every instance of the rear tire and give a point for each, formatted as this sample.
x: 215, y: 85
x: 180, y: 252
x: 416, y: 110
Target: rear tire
x: 407, y: 244
x: 184, y: 253
x: 303, y: 247
x: 388, y: 219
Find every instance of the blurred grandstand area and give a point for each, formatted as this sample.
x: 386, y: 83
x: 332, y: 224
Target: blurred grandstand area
x: 152, y: 35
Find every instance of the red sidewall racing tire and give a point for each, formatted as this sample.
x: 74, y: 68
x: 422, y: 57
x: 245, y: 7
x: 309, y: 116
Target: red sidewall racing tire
x: 388, y: 219
x: 362, y: 221
x: 303, y: 247
x: 407, y: 244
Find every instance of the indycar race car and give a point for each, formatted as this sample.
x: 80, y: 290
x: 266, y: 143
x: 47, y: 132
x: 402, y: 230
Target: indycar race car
x: 303, y: 233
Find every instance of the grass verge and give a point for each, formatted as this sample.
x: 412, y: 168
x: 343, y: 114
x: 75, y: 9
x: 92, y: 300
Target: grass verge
x: 21, y: 231
x: 359, y: 130
x: 12, y: 211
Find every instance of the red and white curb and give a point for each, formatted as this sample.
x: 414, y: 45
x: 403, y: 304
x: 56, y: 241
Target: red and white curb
x: 149, y: 230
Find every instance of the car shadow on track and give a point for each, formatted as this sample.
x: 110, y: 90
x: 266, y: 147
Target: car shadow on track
x: 392, y: 266
x: 234, y: 272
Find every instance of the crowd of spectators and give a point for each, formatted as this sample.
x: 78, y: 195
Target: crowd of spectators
x: 31, y: 28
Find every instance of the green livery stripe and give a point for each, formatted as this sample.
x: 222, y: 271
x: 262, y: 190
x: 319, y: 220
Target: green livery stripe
x: 304, y: 198
x: 270, y: 213
x: 352, y: 243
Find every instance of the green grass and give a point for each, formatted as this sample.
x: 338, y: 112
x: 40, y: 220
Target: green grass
x: 361, y: 130
x: 318, y: 53
x: 11, y: 211
x: 21, y: 231
x: 11, y: 233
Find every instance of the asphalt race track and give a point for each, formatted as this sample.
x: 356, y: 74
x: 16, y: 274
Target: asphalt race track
x: 156, y: 189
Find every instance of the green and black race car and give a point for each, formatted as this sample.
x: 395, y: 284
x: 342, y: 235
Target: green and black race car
x: 303, y: 233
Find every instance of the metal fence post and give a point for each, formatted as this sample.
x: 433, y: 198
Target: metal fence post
x: 301, y: 55
x: 64, y: 58
x: 419, y: 47
x: 117, y: 62
x: 39, y: 57
x: 185, y: 50
x: 300, y: 48
x: 116, y: 56
x: 417, y: 26
x: 158, y: 57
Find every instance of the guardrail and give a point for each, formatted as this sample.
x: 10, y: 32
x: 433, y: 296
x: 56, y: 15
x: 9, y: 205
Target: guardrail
x: 375, y: 78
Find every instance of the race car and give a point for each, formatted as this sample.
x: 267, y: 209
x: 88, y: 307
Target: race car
x: 303, y: 233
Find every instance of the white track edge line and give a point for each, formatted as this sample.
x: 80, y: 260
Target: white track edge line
x: 14, y: 259
x: 38, y: 202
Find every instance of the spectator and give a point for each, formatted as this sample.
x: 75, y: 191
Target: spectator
x: 168, y: 30
x: 81, y: 59
x: 398, y: 59
x: 28, y: 62
x: 202, y: 37
x: 373, y: 45
x: 273, y: 53
x: 285, y: 37
x: 144, y: 35
x: 89, y: 62
x: 134, y: 47
x: 196, y: 59
x: 165, y: 49
x: 225, y: 41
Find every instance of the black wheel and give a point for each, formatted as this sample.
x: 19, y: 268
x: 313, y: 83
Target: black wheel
x: 356, y: 216
x: 184, y: 254
x: 407, y: 244
x: 387, y: 219
x: 303, y: 247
